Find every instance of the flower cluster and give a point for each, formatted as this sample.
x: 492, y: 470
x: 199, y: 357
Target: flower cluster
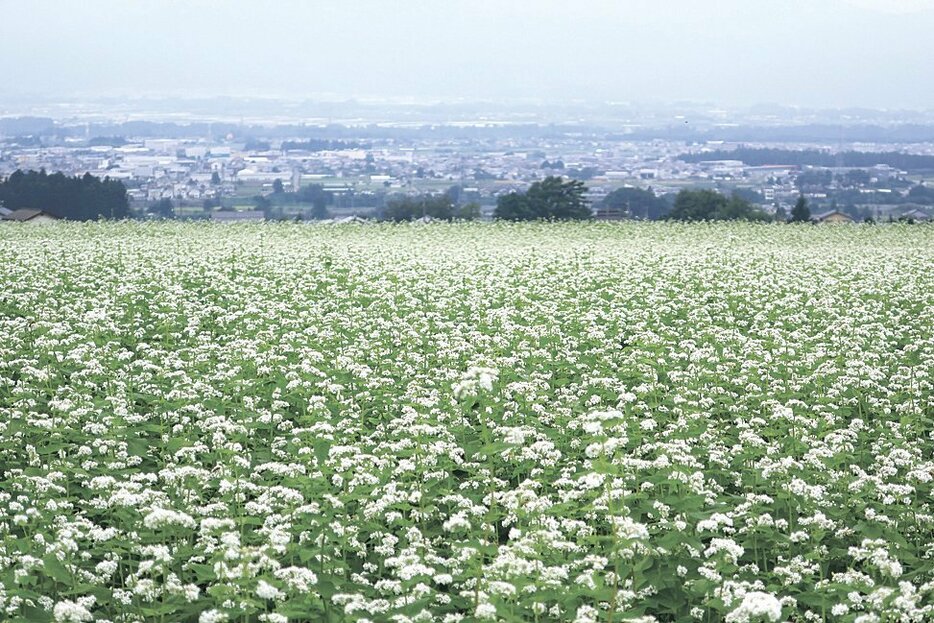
x: 642, y: 422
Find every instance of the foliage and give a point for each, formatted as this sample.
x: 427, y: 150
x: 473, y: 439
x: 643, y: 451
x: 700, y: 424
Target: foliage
x: 400, y: 209
x: 709, y: 205
x: 513, y: 207
x: 163, y: 208
x: 508, y: 422
x: 855, y: 178
x: 109, y: 141
x: 801, y: 213
x: 76, y: 198
x: 314, y: 144
x: 469, y: 211
x: 921, y: 194
x: 819, y: 178
x: 635, y: 203
x: 262, y: 202
x: 549, y: 199
x: 255, y: 144
x: 313, y: 194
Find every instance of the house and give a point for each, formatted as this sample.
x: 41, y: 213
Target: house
x: 29, y: 215
x: 916, y: 215
x: 834, y: 216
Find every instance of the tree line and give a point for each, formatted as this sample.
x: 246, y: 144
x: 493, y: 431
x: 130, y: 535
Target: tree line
x: 557, y: 199
x: 814, y: 157
x: 318, y: 144
x: 88, y: 197
x: 79, y: 198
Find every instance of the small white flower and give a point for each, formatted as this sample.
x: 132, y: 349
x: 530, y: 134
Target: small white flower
x: 756, y: 605
x: 485, y: 612
x: 212, y: 616
x: 70, y: 612
x: 265, y: 590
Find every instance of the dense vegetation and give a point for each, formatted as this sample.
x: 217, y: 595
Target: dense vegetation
x: 709, y: 205
x: 634, y: 203
x: 639, y: 422
x: 550, y: 199
x: 76, y: 198
x: 317, y: 144
x: 438, y: 207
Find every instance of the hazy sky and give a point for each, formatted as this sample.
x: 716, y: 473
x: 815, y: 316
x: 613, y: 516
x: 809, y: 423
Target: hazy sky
x: 874, y: 53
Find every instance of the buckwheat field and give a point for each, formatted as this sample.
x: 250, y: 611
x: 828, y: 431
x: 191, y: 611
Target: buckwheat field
x: 618, y: 422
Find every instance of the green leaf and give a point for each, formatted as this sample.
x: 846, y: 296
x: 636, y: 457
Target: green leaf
x: 322, y: 448
x: 36, y: 615
x: 55, y: 569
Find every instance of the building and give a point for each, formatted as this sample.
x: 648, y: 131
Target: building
x: 834, y: 216
x: 916, y: 215
x: 29, y: 215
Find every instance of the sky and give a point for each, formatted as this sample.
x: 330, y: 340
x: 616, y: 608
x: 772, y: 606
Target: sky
x: 814, y: 53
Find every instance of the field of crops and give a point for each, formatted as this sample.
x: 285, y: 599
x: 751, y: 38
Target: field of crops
x: 635, y: 422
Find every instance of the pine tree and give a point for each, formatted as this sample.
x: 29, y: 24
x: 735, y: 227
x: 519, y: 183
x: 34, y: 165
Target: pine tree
x: 801, y: 213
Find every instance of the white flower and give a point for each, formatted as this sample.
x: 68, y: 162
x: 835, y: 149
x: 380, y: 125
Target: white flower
x: 162, y: 517
x: 731, y: 548
x: 70, y: 612
x: 474, y: 380
x: 756, y: 606
x: 265, y: 590
x: 212, y: 616
x: 586, y: 614
x: 626, y: 528
x: 485, y: 612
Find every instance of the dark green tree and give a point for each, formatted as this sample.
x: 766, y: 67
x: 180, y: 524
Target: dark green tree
x: 469, y: 211
x: 164, y: 208
x: 77, y: 198
x: 513, y: 207
x: 454, y: 192
x: 262, y: 202
x: 801, y: 213
x: 215, y: 179
x: 634, y: 203
x: 697, y: 205
x: 737, y: 208
x: 401, y: 209
x: 319, y: 210
x: 553, y: 198
x: 921, y: 194
x: 708, y: 205
x: 277, y: 187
